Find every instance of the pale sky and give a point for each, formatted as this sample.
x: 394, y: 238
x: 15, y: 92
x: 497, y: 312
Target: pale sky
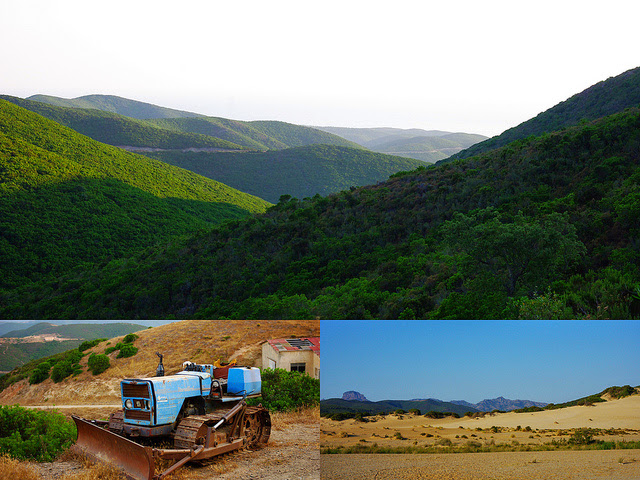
x: 456, y: 65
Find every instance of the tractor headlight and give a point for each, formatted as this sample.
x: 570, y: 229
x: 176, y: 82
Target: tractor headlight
x: 128, y: 403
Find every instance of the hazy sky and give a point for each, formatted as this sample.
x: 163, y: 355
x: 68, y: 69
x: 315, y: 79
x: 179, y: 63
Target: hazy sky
x: 459, y: 65
x: 553, y: 361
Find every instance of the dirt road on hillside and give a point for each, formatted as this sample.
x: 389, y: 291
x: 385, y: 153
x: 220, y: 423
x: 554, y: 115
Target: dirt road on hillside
x: 564, y: 465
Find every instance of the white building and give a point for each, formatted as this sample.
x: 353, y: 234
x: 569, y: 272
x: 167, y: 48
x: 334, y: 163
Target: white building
x: 293, y: 354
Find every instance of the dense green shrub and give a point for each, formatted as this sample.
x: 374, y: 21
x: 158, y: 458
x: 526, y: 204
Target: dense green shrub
x: 130, y: 338
x: 32, y: 434
x: 414, y: 411
x: 109, y: 350
x: 127, y: 350
x: 434, y: 414
x: 90, y: 343
x: 582, y: 436
x: 40, y: 373
x: 98, y: 363
x: 283, y: 390
x: 66, y: 365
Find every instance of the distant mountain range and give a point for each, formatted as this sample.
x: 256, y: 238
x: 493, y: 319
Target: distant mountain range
x: 426, y: 145
x: 338, y: 405
x: 487, y: 405
x: 500, y: 403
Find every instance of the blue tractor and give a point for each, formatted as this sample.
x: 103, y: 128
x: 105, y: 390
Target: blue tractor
x: 202, y: 410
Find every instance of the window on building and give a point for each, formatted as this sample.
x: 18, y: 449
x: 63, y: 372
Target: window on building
x: 272, y: 364
x: 298, y: 367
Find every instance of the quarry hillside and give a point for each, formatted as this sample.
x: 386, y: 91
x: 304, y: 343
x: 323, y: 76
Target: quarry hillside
x: 200, y: 341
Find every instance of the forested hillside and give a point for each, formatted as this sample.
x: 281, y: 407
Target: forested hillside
x: 111, y: 103
x: 300, y: 172
x: 604, y: 98
x: 545, y: 227
x: 67, y: 199
x: 118, y: 130
x: 258, y: 135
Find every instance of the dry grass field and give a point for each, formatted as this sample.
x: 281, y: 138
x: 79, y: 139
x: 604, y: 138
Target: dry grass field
x: 201, y: 341
x: 527, y: 433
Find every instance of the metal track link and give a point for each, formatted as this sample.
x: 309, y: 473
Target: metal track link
x: 192, y: 430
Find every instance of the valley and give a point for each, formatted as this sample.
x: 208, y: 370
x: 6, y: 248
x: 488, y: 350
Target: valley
x: 546, y: 224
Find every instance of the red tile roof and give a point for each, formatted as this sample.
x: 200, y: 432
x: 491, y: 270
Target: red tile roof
x: 296, y: 344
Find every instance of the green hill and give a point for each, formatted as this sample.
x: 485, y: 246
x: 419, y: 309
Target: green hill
x: 259, y: 135
x: 83, y: 331
x: 300, y: 172
x: 543, y: 228
x: 118, y: 130
x: 604, y: 98
x: 110, y: 103
x: 18, y: 353
x: 333, y: 406
x: 67, y: 199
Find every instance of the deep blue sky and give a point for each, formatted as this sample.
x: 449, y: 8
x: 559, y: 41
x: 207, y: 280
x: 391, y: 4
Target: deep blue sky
x: 553, y: 361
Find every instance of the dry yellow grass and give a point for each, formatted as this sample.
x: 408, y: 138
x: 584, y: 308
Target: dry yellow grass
x: 13, y: 469
x: 304, y: 416
x: 202, y: 341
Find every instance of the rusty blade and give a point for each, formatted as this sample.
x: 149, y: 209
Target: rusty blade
x: 136, y: 461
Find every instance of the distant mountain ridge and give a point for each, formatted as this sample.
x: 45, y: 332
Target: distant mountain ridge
x: 18, y: 350
x: 500, y: 403
x: 121, y: 121
x: 84, y: 331
x: 112, y: 103
x: 488, y: 405
x: 425, y: 145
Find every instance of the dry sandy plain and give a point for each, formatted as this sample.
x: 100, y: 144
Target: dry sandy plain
x: 621, y: 417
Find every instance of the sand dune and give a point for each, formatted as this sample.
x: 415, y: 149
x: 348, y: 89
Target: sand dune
x: 405, y: 430
x: 622, y: 413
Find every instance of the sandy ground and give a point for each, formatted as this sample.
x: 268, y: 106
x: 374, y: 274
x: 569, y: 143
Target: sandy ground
x: 565, y: 465
x: 622, y: 415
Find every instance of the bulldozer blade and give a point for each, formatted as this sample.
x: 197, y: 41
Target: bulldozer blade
x: 99, y: 444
